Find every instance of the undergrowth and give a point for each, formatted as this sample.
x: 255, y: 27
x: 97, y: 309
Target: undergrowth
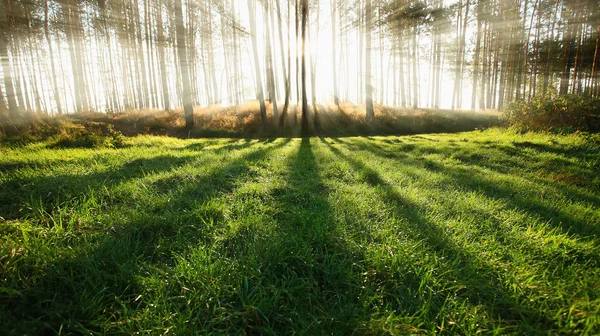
x: 558, y: 114
x: 243, y: 121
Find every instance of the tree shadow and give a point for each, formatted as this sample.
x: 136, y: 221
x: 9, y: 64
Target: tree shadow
x: 481, y: 283
x: 465, y: 177
x: 98, y: 282
x: 48, y: 191
x: 307, y: 268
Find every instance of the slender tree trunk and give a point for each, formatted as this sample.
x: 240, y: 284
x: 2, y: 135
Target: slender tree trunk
x: 161, y: 56
x: 537, y: 55
x: 269, y: 65
x: 484, y: 68
x: 297, y: 63
x: 334, y: 63
x: 313, y: 67
x: 415, y: 65
x: 286, y: 78
x: 595, y: 86
x: 236, y: 68
x: 476, y: 59
x: 211, y: 61
x: 304, y: 93
x: 183, y: 64
x: 6, y: 69
x: 368, y: 87
x: 401, y: 70
x: 259, y: 87
x: 76, y: 59
x: 566, y: 73
x: 52, y: 66
x: 150, y: 52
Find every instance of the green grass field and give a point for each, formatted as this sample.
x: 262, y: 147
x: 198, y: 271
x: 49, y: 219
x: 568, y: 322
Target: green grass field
x: 461, y: 233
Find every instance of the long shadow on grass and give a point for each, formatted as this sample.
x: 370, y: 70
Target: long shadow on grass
x: 511, y: 194
x: 49, y: 191
x: 481, y: 283
x: 305, y: 277
x: 96, y: 286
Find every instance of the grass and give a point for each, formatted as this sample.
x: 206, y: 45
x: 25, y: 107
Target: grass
x: 244, y: 121
x: 487, y: 232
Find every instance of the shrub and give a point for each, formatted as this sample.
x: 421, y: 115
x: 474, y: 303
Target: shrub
x: 562, y: 114
x: 92, y: 135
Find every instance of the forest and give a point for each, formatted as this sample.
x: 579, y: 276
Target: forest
x: 69, y: 56
x: 311, y: 167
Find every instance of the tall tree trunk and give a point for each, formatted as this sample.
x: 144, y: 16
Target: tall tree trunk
x: 211, y: 61
x: 150, y: 52
x: 6, y: 68
x: 183, y: 64
x: 52, y: 66
x: 334, y: 63
x: 484, y: 68
x: 401, y: 69
x: 236, y: 68
x: 259, y: 87
x: 595, y: 86
x: 298, y: 98
x: 313, y: 69
x: 161, y: 57
x: 368, y: 87
x: 286, y: 78
x: 548, y: 69
x: 74, y: 42
x: 269, y: 65
x: 304, y: 93
x: 476, y: 58
x: 566, y: 73
x: 415, y: 66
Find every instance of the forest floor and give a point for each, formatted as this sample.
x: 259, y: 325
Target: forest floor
x: 486, y: 231
x: 245, y: 121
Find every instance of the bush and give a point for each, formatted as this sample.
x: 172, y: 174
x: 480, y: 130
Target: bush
x: 564, y: 114
x: 92, y: 135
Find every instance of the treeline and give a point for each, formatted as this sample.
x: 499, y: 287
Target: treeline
x: 66, y: 56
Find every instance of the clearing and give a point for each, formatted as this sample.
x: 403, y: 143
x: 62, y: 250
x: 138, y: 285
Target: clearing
x: 454, y: 233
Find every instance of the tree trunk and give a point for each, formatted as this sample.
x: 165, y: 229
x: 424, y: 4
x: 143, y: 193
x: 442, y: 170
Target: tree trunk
x: 334, y: 63
x: 13, y: 112
x: 270, y: 65
x: 304, y: 93
x: 286, y: 78
x: 368, y: 87
x: 259, y: 87
x: 476, y: 59
x: 236, y: 68
x: 183, y: 64
x: 595, y: 86
x: 52, y: 66
x: 162, y: 61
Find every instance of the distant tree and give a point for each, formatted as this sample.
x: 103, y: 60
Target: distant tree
x: 6, y: 69
x: 259, y: 86
x: 183, y: 64
x: 368, y: 86
x: 304, y: 93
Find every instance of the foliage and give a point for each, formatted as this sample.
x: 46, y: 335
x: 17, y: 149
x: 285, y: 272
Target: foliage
x: 484, y: 232
x: 60, y: 131
x: 566, y: 113
x: 92, y: 135
x: 92, y: 129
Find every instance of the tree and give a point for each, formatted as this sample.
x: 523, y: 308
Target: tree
x: 6, y: 69
x: 304, y: 93
x: 368, y: 87
x: 183, y: 64
x: 259, y: 87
